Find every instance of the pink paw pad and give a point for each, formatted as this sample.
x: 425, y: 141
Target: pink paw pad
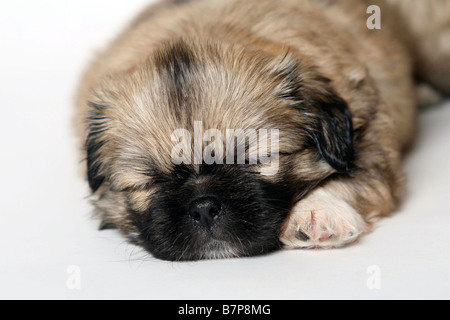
x: 325, y: 236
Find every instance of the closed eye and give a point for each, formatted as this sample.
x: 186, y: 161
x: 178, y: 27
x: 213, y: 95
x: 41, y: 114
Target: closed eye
x: 291, y: 153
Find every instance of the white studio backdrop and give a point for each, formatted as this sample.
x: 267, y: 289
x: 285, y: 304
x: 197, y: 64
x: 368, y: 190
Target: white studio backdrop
x: 49, y: 245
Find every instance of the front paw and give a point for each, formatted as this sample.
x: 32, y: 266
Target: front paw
x: 322, y: 220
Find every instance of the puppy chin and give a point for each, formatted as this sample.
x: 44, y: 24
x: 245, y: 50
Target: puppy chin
x: 220, y: 250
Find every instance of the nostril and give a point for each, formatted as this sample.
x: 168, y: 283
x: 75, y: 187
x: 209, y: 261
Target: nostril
x: 195, y: 214
x: 205, y: 210
x: 214, y: 211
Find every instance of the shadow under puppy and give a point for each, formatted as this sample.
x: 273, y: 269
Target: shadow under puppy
x: 341, y: 96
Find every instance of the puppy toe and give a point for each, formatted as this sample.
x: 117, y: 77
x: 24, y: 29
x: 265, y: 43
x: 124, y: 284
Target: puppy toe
x: 300, y: 235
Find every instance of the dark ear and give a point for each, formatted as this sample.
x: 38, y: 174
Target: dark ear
x: 94, y: 143
x: 332, y: 128
x: 93, y: 166
x: 325, y: 116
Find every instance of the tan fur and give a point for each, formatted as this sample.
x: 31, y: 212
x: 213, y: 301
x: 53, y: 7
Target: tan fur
x: 427, y: 24
x: 372, y: 70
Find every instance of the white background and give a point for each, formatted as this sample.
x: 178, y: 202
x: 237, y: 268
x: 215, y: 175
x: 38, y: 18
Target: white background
x: 45, y: 224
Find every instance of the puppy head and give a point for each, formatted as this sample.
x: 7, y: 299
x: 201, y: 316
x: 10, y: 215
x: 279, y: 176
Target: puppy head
x: 198, y: 209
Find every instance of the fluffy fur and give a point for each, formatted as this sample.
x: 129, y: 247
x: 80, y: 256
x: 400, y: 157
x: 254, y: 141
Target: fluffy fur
x: 342, y: 96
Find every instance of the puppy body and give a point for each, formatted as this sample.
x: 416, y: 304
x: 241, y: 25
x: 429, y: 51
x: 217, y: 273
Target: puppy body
x: 302, y: 67
x: 426, y: 25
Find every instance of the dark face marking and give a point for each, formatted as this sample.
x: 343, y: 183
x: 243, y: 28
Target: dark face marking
x: 177, y: 66
x: 248, y: 222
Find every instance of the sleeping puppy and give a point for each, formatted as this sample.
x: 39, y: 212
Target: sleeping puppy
x: 320, y: 109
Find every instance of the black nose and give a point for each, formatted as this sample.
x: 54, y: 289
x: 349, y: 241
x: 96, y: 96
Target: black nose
x: 205, y: 210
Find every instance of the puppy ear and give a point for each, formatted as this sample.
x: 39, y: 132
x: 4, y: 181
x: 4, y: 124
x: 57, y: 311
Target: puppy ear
x: 332, y: 128
x: 94, y: 143
x: 325, y: 116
